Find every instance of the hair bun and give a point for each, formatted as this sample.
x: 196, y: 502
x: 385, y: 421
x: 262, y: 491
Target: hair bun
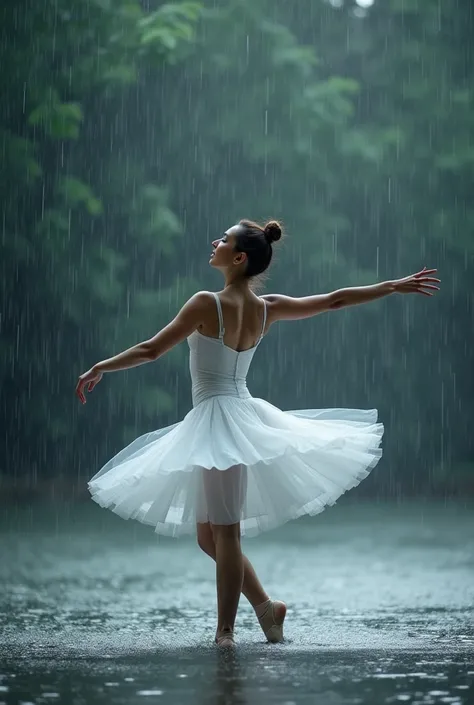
x: 272, y: 231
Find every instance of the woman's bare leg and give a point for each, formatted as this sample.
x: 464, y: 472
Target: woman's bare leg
x: 271, y: 615
x: 234, y: 572
x: 251, y: 587
x: 229, y: 574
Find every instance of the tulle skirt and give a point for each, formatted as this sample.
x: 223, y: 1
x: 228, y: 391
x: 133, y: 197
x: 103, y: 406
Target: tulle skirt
x: 235, y: 460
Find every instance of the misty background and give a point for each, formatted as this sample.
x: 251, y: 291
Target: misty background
x: 133, y: 133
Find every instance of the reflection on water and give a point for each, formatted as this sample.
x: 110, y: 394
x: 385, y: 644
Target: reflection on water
x: 95, y: 610
x: 248, y: 676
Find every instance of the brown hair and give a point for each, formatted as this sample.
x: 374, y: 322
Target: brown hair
x: 256, y: 241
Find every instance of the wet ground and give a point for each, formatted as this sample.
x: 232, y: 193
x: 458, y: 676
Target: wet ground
x: 95, y: 609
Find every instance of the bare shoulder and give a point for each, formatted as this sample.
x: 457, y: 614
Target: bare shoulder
x: 200, y: 301
x: 193, y: 312
x: 292, y: 308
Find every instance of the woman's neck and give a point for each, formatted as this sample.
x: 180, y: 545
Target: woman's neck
x: 237, y: 284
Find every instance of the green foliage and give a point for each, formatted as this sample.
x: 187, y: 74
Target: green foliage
x: 76, y: 193
x: 60, y: 120
x: 19, y: 161
x: 169, y: 25
x: 154, y: 220
x: 132, y: 138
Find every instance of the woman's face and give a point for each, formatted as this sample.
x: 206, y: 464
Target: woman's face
x: 223, y: 254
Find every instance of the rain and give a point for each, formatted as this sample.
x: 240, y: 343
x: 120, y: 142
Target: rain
x: 134, y: 134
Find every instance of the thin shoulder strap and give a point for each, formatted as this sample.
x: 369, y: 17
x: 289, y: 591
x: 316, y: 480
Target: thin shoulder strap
x: 221, y: 319
x: 264, y: 317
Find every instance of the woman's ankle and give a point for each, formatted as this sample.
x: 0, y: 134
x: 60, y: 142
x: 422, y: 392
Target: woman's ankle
x: 261, y: 608
x: 225, y: 630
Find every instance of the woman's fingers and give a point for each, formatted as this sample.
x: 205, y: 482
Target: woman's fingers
x: 425, y: 271
x: 419, y: 285
x: 79, y: 392
x: 82, y: 382
x: 420, y: 277
x: 427, y: 286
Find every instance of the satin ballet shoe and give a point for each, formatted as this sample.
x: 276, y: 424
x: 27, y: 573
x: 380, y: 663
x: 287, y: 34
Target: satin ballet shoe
x: 272, y: 621
x: 225, y: 638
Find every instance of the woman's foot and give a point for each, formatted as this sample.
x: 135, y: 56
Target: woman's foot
x: 271, y: 615
x: 225, y: 638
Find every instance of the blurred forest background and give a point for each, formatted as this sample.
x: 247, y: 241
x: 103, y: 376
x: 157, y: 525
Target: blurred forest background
x: 133, y: 133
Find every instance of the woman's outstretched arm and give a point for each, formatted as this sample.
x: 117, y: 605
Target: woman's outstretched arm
x: 283, y: 307
x: 183, y: 324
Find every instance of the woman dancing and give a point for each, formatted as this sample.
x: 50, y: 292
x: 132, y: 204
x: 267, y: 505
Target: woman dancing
x: 235, y: 464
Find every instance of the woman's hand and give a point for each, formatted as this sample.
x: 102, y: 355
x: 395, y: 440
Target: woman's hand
x: 92, y: 378
x: 416, y: 283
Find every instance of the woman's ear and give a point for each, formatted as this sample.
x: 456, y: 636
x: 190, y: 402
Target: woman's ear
x: 241, y: 257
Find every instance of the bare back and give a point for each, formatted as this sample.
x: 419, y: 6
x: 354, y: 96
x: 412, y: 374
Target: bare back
x: 243, y: 318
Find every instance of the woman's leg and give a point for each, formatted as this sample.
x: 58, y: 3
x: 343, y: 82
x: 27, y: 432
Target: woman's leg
x: 271, y: 614
x: 223, y: 497
x: 229, y: 574
x: 252, y: 587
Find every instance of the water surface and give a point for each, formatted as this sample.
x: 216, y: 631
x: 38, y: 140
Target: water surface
x: 95, y: 609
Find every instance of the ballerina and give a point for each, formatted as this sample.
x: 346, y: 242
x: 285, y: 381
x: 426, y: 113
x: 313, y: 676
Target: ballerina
x: 235, y: 464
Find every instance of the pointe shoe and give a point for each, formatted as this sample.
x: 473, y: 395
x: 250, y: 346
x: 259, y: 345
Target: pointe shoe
x: 225, y: 639
x: 272, y: 620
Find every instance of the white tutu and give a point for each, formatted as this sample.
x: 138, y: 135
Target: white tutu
x: 237, y: 458
x: 266, y: 465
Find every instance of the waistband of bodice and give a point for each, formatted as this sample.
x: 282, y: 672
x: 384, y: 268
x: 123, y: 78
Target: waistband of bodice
x: 211, y: 387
